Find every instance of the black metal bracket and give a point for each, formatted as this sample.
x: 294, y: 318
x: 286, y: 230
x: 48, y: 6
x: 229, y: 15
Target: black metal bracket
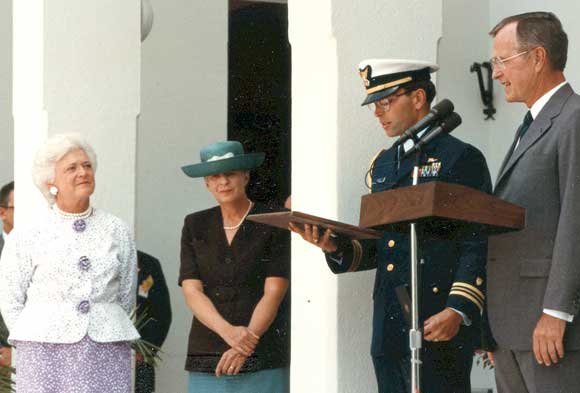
x: 486, y: 94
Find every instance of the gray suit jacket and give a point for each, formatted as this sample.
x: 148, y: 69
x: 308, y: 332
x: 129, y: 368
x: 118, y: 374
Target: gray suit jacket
x: 539, y: 267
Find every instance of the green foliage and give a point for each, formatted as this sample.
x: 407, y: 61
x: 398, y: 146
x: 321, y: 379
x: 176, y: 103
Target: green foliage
x: 6, y: 382
x: 149, y: 351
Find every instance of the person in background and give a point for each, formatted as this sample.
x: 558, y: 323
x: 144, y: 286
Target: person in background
x: 68, y: 282
x: 234, y: 276
x: 7, y: 217
x: 153, y: 302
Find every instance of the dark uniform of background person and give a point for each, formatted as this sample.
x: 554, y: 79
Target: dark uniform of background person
x: 452, y: 290
x: 7, y: 217
x: 152, y: 299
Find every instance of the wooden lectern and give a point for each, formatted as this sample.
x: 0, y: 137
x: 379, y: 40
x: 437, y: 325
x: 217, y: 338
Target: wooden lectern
x: 442, y: 210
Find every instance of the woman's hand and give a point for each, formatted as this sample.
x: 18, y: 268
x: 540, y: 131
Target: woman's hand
x: 230, y: 363
x: 241, y: 339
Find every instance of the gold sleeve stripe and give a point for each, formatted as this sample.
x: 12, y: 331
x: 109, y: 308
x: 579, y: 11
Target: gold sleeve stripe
x: 470, y: 287
x: 356, y: 256
x: 466, y: 290
x: 473, y: 299
x: 370, y: 171
x: 390, y: 84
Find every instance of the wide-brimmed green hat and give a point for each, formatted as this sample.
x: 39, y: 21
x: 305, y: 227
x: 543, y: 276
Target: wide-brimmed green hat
x: 221, y: 157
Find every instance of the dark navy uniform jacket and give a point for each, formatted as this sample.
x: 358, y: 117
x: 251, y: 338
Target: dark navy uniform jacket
x: 153, y: 299
x: 453, y: 272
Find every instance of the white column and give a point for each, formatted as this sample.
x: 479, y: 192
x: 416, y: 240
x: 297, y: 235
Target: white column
x: 333, y: 140
x: 314, y: 178
x: 77, y: 69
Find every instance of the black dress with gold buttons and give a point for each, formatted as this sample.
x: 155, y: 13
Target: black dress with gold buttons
x: 233, y: 278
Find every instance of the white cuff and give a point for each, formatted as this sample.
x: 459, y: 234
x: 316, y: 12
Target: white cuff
x: 559, y: 314
x: 466, y: 320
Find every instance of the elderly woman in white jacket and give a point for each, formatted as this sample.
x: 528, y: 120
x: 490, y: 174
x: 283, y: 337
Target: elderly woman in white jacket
x: 68, y: 282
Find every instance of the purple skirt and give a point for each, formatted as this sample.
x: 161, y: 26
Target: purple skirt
x: 83, y: 367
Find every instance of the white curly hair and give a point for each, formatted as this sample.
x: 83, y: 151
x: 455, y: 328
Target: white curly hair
x: 53, y: 149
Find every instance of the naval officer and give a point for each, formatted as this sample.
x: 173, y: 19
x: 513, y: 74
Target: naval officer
x: 452, y: 285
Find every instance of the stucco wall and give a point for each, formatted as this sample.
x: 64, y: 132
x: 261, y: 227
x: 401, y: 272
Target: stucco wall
x: 464, y: 42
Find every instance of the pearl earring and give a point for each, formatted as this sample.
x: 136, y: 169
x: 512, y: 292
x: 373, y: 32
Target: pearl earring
x: 53, y: 191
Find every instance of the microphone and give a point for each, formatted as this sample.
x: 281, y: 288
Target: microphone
x: 441, y: 110
x: 448, y: 124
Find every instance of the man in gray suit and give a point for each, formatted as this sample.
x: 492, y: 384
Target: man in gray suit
x: 534, y: 274
x: 7, y: 217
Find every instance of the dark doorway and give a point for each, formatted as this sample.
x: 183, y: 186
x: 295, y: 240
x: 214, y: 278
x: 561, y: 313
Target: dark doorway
x: 259, y: 96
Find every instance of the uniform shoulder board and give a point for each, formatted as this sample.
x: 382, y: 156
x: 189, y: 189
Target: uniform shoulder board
x: 369, y: 178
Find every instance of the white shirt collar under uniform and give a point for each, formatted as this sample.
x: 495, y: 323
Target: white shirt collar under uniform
x: 543, y: 100
x: 410, y: 143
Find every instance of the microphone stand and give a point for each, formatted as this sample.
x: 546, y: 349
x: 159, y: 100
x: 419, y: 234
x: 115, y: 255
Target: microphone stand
x: 415, y: 335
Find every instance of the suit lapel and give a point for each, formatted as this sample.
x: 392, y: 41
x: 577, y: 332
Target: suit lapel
x: 509, y: 154
x: 538, y: 128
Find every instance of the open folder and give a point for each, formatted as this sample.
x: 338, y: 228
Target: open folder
x: 281, y: 220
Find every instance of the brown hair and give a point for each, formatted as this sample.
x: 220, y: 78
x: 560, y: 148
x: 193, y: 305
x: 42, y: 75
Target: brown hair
x: 539, y: 29
x: 427, y: 86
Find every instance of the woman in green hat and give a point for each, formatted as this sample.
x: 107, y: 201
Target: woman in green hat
x: 234, y: 276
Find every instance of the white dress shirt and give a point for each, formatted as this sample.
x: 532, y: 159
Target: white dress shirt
x: 59, y: 284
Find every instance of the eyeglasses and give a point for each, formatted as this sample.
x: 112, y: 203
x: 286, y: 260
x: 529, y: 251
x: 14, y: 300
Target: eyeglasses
x: 7, y: 207
x: 499, y: 63
x: 385, y: 103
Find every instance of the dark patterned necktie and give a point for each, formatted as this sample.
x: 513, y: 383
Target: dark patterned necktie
x: 528, y: 119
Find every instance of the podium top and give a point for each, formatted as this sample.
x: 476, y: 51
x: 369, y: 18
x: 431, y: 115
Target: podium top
x: 440, y: 203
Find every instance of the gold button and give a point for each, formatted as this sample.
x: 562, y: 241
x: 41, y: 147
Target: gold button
x: 391, y: 243
x: 435, y: 289
x: 390, y: 267
x: 479, y: 281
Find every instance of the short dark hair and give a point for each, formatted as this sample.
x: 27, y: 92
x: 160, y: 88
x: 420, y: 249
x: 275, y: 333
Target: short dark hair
x: 427, y: 86
x: 5, y: 193
x: 539, y: 29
